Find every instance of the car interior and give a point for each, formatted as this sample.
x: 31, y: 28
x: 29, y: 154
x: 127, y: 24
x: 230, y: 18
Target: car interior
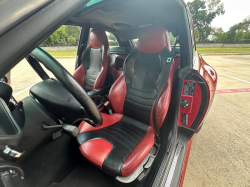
x: 114, y: 121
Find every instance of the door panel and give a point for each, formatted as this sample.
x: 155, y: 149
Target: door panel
x: 194, y: 100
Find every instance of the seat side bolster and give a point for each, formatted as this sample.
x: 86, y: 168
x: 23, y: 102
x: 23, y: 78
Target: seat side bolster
x: 100, y: 80
x: 79, y: 75
x: 107, y: 120
x: 117, y: 94
x: 98, y: 149
x: 164, y: 100
x: 139, y: 153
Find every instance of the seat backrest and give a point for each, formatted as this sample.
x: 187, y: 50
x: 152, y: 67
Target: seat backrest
x: 91, y: 74
x: 146, y: 71
x: 116, y: 65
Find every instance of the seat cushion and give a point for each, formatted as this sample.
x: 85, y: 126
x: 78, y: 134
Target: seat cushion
x: 118, y: 146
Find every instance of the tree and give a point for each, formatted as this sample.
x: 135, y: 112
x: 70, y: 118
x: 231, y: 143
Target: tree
x: 240, y: 32
x: 197, y: 35
x: 73, y: 32
x: 221, y: 36
x: 172, y: 38
x: 64, y: 34
x: 111, y: 37
x: 60, y: 33
x: 71, y: 40
x: 203, y: 14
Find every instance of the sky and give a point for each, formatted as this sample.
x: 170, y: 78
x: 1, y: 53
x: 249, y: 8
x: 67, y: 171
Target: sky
x: 235, y: 12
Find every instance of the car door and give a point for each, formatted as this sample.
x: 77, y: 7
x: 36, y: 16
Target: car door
x: 197, y: 85
x: 198, y: 88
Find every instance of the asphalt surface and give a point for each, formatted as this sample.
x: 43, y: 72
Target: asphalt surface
x: 220, y: 153
x: 23, y: 76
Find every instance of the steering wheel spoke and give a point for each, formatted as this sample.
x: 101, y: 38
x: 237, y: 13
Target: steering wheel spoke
x: 68, y: 81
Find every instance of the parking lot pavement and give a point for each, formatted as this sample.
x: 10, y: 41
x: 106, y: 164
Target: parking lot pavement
x: 220, y: 151
x: 23, y: 76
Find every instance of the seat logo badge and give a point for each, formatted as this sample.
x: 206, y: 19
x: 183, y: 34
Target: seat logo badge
x: 169, y: 60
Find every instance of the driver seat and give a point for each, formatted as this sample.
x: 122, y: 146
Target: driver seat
x: 126, y: 137
x: 91, y: 74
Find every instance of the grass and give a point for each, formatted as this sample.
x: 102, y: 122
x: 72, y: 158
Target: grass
x: 62, y: 53
x: 223, y: 50
x: 200, y: 50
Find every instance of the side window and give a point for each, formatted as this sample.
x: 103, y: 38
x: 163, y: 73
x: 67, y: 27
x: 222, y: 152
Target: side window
x: 135, y: 41
x: 172, y: 39
x: 112, y: 40
x: 191, y: 29
x: 62, y: 45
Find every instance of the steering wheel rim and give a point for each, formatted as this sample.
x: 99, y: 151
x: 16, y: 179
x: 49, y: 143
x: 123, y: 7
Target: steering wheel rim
x: 70, y: 83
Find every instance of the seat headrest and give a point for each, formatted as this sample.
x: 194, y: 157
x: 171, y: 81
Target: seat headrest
x: 97, y: 38
x: 153, y: 40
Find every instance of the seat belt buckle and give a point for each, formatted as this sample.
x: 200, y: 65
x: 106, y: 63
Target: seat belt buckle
x: 108, y: 107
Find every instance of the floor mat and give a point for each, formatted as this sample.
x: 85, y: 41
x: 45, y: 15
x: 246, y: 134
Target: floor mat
x: 52, y: 163
x: 86, y: 175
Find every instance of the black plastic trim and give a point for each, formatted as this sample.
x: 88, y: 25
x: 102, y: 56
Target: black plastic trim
x: 11, y: 133
x: 33, y: 30
x: 12, y: 12
x: 104, y: 90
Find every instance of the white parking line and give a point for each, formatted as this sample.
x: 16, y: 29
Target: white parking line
x: 69, y: 66
x: 18, y: 93
x: 234, y: 78
x: 228, y: 60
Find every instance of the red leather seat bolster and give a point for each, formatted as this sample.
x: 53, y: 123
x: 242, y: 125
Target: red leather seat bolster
x: 98, y: 149
x: 79, y: 75
x: 103, y: 73
x: 107, y: 120
x: 117, y: 94
x: 164, y: 100
x: 139, y: 153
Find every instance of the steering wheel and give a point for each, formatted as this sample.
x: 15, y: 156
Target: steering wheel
x: 70, y: 83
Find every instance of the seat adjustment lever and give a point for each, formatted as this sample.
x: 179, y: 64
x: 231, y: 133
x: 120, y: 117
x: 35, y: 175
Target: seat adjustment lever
x: 69, y: 129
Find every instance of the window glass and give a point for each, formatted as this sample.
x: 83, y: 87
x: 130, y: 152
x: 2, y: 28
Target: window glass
x: 62, y: 45
x: 112, y: 40
x: 135, y: 41
x: 66, y: 35
x: 172, y: 39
